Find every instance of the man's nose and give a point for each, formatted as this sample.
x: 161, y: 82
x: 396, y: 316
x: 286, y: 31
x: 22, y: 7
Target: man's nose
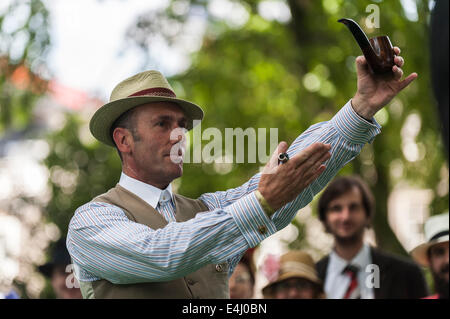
x: 293, y: 293
x: 345, y: 212
x: 177, y: 134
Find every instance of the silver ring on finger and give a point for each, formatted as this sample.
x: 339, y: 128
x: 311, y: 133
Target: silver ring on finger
x: 283, y: 158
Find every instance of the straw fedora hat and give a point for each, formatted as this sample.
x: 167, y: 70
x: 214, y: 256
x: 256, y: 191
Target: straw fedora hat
x: 142, y: 88
x: 295, y: 264
x: 436, y: 231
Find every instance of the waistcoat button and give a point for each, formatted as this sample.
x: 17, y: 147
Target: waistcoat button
x: 219, y: 267
x: 190, y: 282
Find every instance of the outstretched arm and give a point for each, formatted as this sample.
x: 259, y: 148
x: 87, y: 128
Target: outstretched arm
x: 347, y: 133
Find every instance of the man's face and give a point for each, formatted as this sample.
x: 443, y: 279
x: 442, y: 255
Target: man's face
x: 439, y: 263
x: 60, y: 287
x: 241, y: 286
x: 158, y: 150
x: 294, y: 288
x: 346, y: 217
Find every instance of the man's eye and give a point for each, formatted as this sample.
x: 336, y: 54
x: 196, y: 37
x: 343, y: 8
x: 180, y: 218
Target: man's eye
x: 439, y: 251
x: 161, y: 123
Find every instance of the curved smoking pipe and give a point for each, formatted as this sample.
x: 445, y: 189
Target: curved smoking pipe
x: 378, y: 51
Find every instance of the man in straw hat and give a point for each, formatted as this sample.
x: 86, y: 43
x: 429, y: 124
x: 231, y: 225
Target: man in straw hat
x: 296, y: 278
x: 434, y: 253
x: 140, y: 240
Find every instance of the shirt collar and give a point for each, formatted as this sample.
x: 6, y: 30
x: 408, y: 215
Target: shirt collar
x: 362, y: 259
x: 150, y: 194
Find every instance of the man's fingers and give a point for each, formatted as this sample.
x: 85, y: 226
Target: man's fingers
x: 308, y: 169
x: 282, y: 148
x: 399, y: 61
x: 316, y: 153
x: 316, y: 174
x: 325, y: 157
x: 361, y: 65
x: 319, y: 171
x: 313, y: 163
x: 313, y: 150
x: 407, y: 81
x: 398, y: 72
x: 305, y: 171
x: 273, y: 162
x: 397, y: 50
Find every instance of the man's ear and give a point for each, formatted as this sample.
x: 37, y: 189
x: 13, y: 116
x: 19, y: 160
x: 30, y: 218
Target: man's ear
x: 123, y: 139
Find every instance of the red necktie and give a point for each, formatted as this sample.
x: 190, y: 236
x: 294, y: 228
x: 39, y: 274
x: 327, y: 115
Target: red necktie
x: 353, y: 289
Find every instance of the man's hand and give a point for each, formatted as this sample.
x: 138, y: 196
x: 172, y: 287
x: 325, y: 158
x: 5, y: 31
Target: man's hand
x: 376, y: 91
x: 280, y: 184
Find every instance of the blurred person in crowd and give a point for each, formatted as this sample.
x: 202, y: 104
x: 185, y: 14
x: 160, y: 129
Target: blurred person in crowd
x: 140, y: 240
x: 242, y: 281
x: 354, y: 269
x: 295, y: 278
x: 434, y: 253
x: 59, y: 271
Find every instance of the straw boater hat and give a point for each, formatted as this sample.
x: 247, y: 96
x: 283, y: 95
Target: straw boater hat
x: 295, y: 264
x: 436, y: 231
x: 142, y: 88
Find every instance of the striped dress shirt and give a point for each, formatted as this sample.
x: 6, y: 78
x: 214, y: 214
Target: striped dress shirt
x: 105, y: 244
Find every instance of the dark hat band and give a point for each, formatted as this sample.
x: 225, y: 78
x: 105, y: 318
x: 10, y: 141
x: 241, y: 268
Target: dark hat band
x: 440, y: 234
x: 155, y: 92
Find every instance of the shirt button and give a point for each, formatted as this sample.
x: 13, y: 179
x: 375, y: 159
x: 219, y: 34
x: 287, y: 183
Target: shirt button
x: 219, y: 268
x: 262, y: 230
x: 190, y: 282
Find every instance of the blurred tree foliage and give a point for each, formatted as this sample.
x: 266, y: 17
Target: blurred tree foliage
x: 24, y: 42
x: 80, y: 169
x: 285, y: 73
